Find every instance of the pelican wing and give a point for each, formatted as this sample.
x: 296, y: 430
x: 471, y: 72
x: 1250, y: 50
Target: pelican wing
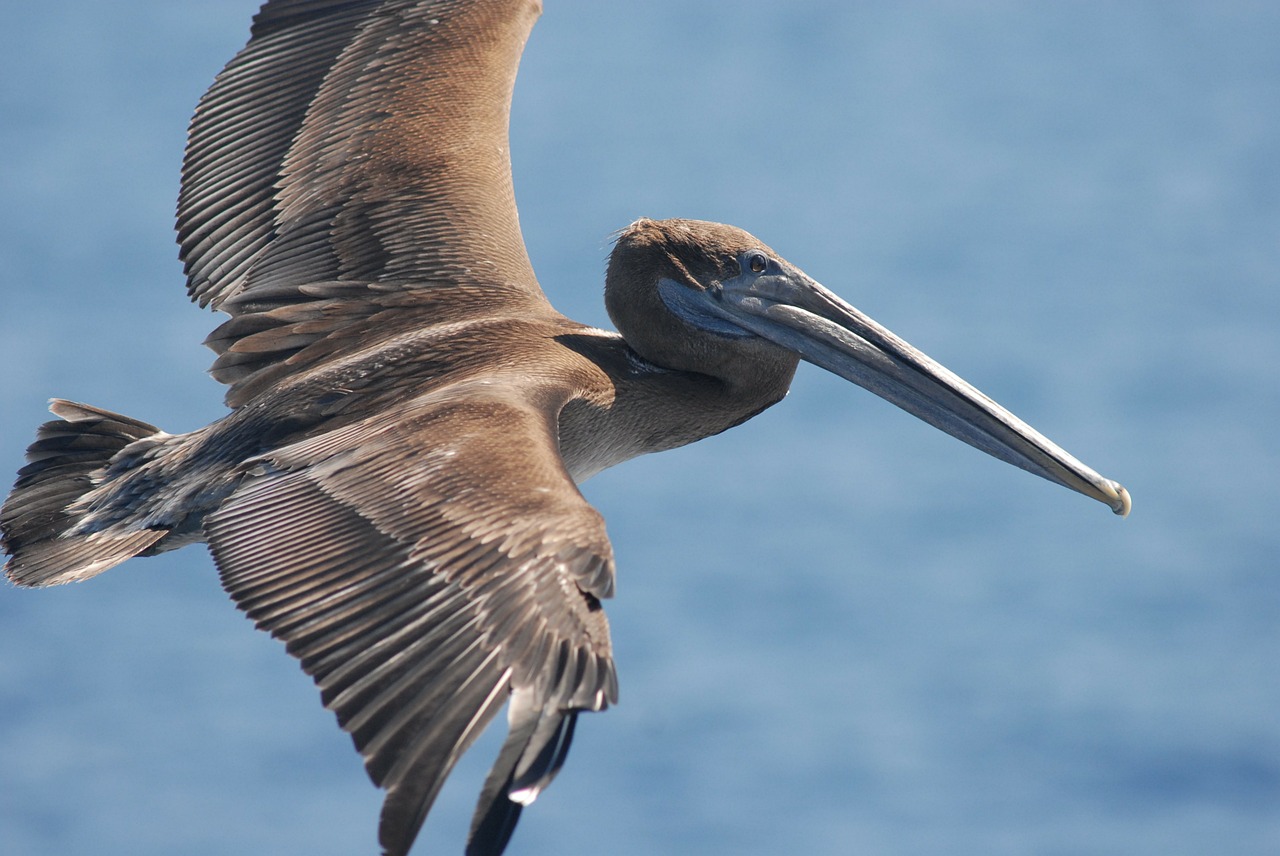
x: 353, y: 156
x: 426, y: 572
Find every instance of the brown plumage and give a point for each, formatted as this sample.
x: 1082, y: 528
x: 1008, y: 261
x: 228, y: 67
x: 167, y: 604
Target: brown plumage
x: 393, y: 493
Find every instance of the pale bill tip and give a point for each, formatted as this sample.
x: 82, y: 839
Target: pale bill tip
x: 1120, y: 502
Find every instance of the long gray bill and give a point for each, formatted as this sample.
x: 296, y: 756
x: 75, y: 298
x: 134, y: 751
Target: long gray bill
x: 800, y: 315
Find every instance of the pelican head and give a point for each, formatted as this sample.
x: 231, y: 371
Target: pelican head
x: 710, y: 298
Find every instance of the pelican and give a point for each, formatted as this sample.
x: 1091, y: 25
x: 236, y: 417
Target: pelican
x: 393, y: 493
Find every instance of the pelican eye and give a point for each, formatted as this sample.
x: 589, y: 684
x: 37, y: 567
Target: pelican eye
x: 757, y: 262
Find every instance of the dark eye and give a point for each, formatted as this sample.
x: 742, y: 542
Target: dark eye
x: 757, y: 262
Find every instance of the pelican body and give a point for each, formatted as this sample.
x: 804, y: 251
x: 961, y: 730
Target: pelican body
x: 394, y: 490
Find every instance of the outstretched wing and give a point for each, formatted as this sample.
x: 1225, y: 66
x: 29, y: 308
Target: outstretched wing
x: 425, y: 572
x: 352, y: 156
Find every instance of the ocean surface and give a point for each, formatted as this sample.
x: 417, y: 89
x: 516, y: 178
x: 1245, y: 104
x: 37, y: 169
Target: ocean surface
x: 838, y: 630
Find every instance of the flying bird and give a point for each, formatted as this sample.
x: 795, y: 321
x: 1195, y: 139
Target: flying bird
x: 394, y: 490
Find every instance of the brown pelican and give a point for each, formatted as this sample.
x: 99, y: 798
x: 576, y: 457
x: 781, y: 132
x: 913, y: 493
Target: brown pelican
x: 394, y: 491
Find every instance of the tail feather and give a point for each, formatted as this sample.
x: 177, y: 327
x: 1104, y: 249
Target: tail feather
x: 70, y: 560
x: 70, y: 456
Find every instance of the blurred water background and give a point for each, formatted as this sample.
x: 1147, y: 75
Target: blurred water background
x: 838, y: 630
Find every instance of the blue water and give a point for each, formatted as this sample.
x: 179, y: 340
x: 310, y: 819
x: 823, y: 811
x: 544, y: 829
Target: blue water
x: 838, y: 630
